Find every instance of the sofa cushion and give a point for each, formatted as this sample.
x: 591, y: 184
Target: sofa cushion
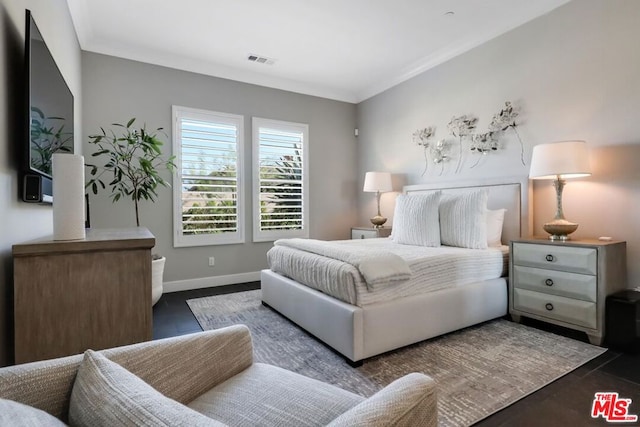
x: 268, y: 395
x: 106, y: 394
x: 20, y: 415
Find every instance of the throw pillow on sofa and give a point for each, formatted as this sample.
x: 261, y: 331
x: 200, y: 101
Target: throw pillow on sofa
x: 20, y: 415
x: 106, y: 394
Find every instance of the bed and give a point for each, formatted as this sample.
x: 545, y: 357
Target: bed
x: 362, y: 327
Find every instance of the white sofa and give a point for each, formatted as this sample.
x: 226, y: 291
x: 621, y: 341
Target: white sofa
x: 207, y: 378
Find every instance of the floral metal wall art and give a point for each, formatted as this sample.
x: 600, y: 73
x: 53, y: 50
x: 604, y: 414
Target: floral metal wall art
x: 460, y: 127
x: 464, y: 127
x: 504, y: 120
x: 483, y: 143
x: 421, y: 137
x: 439, y: 153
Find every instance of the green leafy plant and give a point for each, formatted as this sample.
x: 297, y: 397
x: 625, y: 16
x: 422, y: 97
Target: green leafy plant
x: 132, y: 164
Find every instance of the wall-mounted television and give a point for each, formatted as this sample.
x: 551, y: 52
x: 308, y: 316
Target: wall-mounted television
x: 49, y: 113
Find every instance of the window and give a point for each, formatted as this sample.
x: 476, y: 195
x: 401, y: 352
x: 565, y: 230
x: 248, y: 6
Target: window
x: 280, y: 169
x: 207, y: 206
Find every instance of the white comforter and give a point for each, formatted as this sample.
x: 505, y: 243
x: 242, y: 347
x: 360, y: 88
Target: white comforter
x: 378, y: 267
x: 432, y: 269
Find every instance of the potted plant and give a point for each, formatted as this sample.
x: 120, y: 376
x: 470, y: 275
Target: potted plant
x: 132, y: 162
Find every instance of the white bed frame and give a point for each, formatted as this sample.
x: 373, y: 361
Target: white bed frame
x: 361, y: 332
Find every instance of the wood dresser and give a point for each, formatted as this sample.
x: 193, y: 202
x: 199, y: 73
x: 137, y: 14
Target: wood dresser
x: 70, y: 296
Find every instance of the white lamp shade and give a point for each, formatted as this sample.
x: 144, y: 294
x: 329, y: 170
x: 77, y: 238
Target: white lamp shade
x: 567, y: 159
x: 377, y: 181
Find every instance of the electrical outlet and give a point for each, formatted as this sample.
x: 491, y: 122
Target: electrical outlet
x: 212, y: 261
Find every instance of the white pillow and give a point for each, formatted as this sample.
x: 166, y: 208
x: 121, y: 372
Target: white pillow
x: 495, y: 219
x: 463, y: 220
x: 415, y: 220
x: 17, y: 414
x: 106, y: 394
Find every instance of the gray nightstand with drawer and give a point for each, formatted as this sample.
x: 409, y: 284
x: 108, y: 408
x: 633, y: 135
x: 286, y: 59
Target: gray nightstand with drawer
x: 370, y: 232
x: 566, y: 283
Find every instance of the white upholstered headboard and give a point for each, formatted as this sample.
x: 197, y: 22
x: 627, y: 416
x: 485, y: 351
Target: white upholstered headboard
x: 513, y: 194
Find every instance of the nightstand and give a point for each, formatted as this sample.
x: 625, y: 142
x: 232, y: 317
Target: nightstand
x: 369, y: 232
x: 566, y: 283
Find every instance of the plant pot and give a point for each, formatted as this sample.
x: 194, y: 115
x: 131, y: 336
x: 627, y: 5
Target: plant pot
x: 157, y: 271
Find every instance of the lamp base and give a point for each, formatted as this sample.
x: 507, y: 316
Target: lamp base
x: 559, y: 229
x: 377, y: 221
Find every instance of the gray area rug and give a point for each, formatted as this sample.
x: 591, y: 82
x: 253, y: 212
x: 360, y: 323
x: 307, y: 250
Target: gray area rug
x: 479, y: 370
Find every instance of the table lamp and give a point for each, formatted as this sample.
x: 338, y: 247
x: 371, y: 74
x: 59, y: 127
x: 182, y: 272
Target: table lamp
x: 558, y: 161
x: 378, y: 182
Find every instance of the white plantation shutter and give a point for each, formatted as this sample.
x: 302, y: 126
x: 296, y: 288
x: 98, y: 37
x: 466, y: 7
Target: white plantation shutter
x: 207, y: 184
x: 280, y: 193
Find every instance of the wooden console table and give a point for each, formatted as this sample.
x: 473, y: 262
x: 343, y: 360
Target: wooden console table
x: 70, y: 296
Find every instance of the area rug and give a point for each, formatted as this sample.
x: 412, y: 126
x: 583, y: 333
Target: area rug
x: 479, y: 370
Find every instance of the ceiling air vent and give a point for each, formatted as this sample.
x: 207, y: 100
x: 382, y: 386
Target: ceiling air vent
x: 260, y: 59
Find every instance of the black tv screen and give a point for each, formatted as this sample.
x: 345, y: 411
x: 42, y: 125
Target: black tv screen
x: 50, y: 107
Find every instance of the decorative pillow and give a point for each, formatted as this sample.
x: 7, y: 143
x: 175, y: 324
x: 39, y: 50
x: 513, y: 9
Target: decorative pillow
x: 463, y: 220
x: 106, y: 394
x: 415, y: 220
x: 20, y: 415
x: 495, y: 219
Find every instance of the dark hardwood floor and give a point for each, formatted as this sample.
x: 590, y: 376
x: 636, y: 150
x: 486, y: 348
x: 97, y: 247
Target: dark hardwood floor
x: 172, y: 316
x: 565, y: 402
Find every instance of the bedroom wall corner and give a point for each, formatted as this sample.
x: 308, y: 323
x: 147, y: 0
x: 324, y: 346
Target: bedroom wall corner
x: 21, y: 221
x: 569, y: 81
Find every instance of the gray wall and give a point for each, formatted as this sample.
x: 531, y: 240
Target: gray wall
x: 116, y: 89
x: 573, y: 72
x: 20, y: 221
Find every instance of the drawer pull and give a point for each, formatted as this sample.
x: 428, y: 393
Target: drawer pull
x: 362, y: 236
x: 550, y: 258
x: 548, y: 282
x: 548, y: 306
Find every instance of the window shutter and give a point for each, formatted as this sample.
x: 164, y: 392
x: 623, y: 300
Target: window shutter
x: 209, y: 178
x: 280, y: 184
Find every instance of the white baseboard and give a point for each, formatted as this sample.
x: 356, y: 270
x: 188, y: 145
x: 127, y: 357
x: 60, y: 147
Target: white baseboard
x: 208, y: 282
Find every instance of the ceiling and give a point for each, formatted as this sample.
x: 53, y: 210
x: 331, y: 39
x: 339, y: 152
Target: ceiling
x: 347, y: 50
